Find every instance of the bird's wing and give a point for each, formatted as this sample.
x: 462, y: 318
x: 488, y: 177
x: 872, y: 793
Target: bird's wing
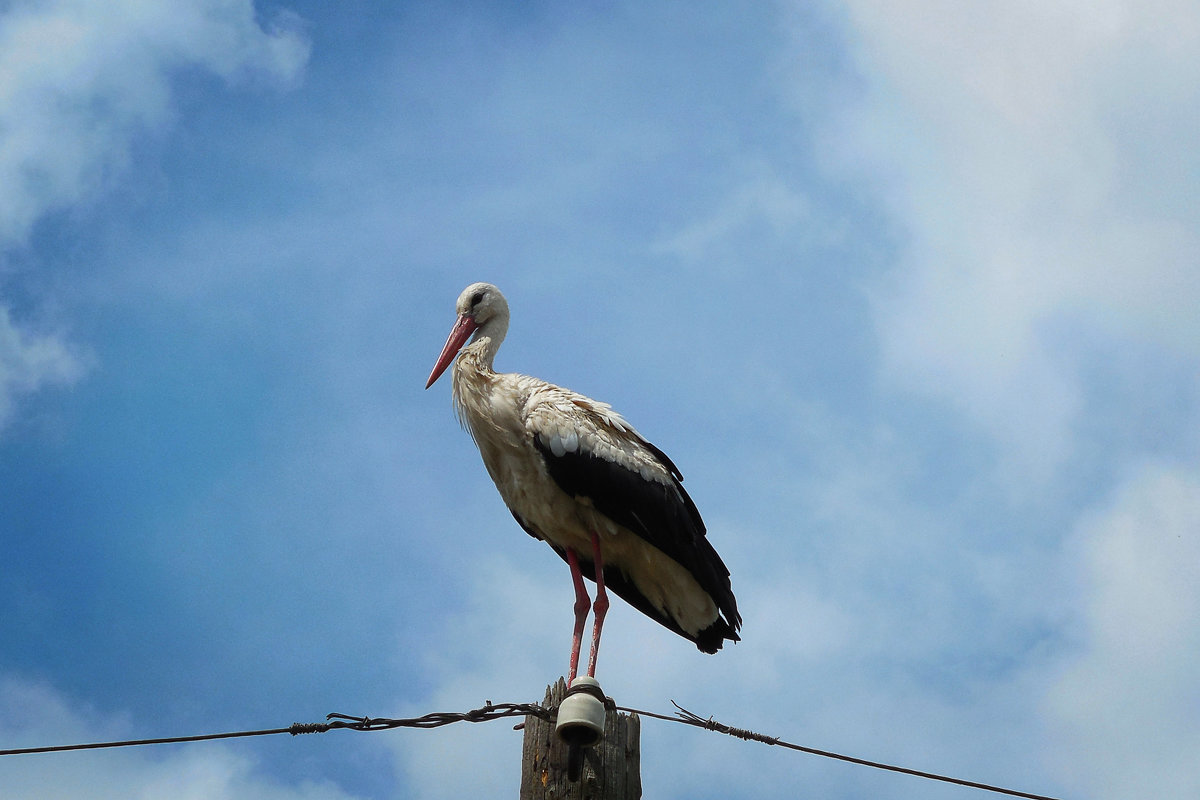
x: 594, y: 455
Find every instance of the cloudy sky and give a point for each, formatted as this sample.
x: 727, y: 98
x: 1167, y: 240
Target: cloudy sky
x: 908, y: 290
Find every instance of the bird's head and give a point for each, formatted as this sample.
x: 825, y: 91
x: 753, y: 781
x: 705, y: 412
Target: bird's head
x: 481, y: 309
x: 481, y: 302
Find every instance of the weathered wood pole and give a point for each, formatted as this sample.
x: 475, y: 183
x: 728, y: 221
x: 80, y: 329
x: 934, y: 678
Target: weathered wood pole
x: 611, y: 769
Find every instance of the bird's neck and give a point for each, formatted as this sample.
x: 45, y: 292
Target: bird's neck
x: 477, y: 357
x: 473, y: 378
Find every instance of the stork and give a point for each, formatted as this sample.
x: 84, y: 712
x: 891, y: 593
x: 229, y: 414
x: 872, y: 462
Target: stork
x: 577, y: 476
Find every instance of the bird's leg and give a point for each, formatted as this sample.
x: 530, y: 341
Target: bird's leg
x: 600, y: 607
x: 582, y: 605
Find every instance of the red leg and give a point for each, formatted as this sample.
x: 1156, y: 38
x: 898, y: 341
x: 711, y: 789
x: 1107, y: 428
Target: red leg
x: 582, y: 605
x: 600, y: 607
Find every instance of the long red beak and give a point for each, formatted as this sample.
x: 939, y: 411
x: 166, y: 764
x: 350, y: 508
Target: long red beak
x: 459, y: 334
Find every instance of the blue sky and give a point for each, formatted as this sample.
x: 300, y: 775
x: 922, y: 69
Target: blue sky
x: 907, y: 290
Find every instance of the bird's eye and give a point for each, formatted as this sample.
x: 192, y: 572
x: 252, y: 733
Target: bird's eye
x: 476, y: 299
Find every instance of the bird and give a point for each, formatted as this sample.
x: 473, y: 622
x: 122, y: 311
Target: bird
x: 579, y: 477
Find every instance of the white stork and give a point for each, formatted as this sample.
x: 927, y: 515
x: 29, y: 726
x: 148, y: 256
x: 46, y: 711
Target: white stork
x: 577, y: 476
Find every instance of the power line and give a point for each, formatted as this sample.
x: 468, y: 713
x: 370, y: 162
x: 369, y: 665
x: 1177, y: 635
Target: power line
x: 491, y: 711
x: 688, y: 718
x: 63, y: 748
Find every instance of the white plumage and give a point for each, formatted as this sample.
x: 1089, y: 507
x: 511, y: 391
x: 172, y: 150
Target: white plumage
x: 575, y: 474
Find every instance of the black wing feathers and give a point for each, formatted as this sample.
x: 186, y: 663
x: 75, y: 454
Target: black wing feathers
x: 662, y: 514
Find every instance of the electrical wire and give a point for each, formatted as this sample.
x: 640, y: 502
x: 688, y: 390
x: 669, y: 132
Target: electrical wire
x: 688, y: 718
x: 490, y: 711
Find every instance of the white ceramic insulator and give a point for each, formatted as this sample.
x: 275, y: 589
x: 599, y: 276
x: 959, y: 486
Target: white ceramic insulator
x: 581, y: 716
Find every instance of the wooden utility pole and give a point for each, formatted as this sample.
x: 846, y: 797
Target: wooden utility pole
x: 611, y: 769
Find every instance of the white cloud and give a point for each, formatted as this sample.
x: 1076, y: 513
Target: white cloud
x: 762, y: 197
x: 79, y: 82
x: 29, y: 362
x: 34, y: 715
x: 1125, y: 706
x: 1024, y: 150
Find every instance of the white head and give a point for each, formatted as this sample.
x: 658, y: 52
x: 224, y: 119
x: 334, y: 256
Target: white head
x: 482, y: 311
x: 483, y: 302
